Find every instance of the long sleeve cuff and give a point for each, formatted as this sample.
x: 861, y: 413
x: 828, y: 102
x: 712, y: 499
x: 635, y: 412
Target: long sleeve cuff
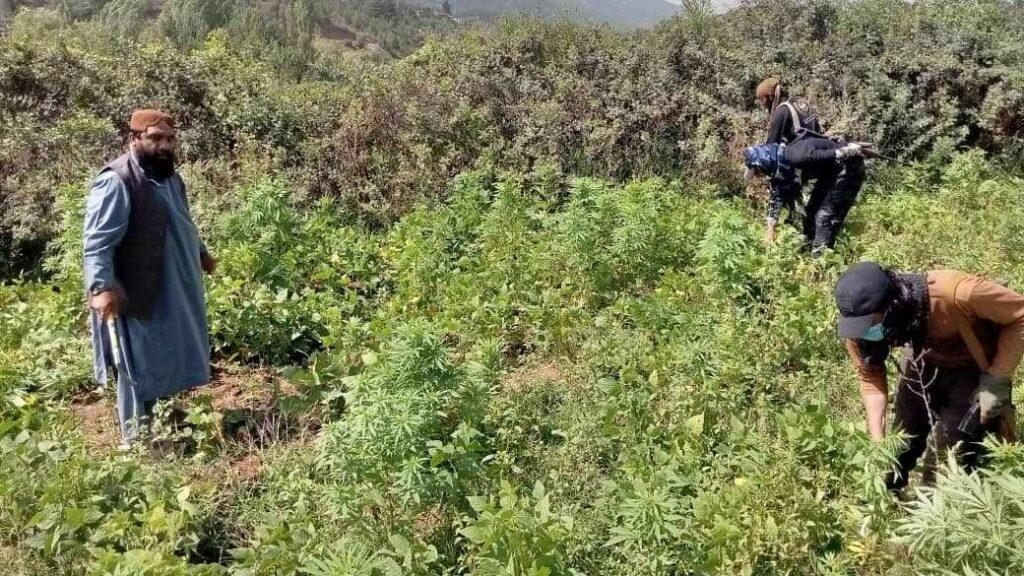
x: 99, y: 273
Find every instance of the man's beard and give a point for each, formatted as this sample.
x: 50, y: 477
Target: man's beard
x: 157, y: 166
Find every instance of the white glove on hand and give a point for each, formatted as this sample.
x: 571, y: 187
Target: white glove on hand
x: 849, y: 151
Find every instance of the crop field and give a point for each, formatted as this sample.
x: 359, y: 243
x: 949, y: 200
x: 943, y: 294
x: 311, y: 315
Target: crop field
x: 502, y: 306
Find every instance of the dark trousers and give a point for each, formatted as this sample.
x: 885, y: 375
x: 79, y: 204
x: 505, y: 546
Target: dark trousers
x: 933, y: 401
x: 831, y: 199
x: 786, y: 194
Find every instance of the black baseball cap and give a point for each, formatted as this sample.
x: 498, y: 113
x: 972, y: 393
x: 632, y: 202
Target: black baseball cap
x: 861, y: 292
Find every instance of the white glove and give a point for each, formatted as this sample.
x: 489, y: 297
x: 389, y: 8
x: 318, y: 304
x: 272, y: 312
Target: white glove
x: 849, y: 151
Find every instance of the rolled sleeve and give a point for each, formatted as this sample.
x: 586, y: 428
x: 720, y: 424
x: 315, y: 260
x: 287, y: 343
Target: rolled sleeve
x: 1004, y: 307
x: 106, y: 220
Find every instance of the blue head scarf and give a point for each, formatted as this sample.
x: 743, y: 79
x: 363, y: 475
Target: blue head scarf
x: 763, y: 157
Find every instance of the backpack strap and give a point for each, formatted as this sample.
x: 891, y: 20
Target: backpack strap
x: 794, y: 114
x: 947, y: 291
x: 970, y: 338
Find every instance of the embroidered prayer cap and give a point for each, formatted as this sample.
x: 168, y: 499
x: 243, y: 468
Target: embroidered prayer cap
x: 145, y: 118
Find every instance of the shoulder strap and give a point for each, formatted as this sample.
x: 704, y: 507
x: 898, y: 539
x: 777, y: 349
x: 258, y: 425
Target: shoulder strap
x: 970, y: 338
x: 794, y: 114
x: 948, y: 293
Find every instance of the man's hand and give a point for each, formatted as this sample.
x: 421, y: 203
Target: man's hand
x: 993, y: 396
x: 849, y: 151
x: 105, y: 304
x: 208, y: 264
x: 769, y: 232
x: 867, y: 149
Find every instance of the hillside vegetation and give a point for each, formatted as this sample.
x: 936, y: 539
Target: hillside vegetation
x: 501, y: 306
x: 630, y: 13
x: 387, y: 28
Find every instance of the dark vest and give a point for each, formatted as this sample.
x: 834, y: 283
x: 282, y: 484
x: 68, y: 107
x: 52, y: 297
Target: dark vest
x: 139, y: 258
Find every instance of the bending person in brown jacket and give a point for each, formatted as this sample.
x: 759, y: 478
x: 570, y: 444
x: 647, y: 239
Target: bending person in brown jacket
x: 963, y: 338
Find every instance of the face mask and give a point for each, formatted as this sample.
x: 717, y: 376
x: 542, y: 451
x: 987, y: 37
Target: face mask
x: 874, y: 334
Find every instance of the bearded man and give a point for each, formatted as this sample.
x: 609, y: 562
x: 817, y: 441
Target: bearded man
x: 143, y: 275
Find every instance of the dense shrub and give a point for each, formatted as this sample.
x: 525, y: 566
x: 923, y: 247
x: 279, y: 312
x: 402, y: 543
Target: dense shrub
x: 922, y: 79
x: 286, y: 277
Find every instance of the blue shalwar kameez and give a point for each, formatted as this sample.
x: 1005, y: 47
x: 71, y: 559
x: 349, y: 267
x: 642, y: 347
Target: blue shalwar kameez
x: 170, y: 351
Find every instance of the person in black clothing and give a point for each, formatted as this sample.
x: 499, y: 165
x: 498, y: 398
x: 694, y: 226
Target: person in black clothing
x: 838, y: 172
x: 786, y: 121
x: 774, y: 97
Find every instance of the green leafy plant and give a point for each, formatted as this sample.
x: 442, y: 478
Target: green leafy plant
x: 515, y: 535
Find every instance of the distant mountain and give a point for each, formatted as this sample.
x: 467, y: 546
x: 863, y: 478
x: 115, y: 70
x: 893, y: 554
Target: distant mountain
x: 632, y: 13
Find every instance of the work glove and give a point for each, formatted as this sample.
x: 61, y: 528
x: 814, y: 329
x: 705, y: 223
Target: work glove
x: 993, y: 395
x: 867, y: 148
x: 849, y: 151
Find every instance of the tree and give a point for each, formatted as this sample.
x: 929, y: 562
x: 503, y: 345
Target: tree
x: 299, y: 26
x: 124, y: 16
x: 446, y: 8
x: 384, y: 9
x: 187, y: 22
x: 79, y: 9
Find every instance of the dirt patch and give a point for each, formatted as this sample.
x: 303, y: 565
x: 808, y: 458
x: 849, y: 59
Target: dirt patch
x: 528, y: 376
x: 97, y: 420
x: 332, y: 31
x: 247, y: 468
x: 226, y: 470
x: 233, y: 388
x: 259, y: 408
x: 426, y: 523
x: 242, y: 395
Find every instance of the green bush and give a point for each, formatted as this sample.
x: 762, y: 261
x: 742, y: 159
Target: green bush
x: 516, y: 534
x: 923, y: 80
x: 284, y: 278
x: 696, y: 412
x: 72, y: 510
x: 967, y: 523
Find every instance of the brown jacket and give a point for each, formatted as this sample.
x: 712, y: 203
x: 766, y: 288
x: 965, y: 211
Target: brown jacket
x: 995, y: 313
